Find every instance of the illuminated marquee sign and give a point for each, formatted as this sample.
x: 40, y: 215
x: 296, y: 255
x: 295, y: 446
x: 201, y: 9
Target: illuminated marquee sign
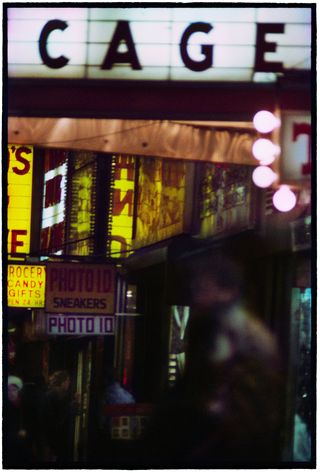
x: 80, y: 325
x: 80, y: 288
x: 26, y: 285
x: 222, y: 44
x: 20, y: 169
x: 122, y: 206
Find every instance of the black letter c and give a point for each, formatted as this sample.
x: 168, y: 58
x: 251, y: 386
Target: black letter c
x: 53, y: 63
x: 206, y: 50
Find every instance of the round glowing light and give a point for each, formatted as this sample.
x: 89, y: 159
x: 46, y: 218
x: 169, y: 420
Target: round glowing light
x: 263, y: 176
x: 284, y: 199
x: 267, y: 161
x: 264, y: 149
x: 265, y: 121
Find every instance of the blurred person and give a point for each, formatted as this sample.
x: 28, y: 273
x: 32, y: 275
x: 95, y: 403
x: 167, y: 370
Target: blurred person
x: 109, y: 410
x: 114, y: 393
x: 18, y: 450
x: 227, y: 409
x: 59, y: 410
x: 33, y: 397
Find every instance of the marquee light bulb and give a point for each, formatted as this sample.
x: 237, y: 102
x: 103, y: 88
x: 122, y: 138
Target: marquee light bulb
x: 265, y: 121
x: 284, y: 199
x: 263, y: 176
x: 265, y: 150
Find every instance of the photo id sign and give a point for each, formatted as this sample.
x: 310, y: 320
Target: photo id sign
x: 59, y: 324
x: 74, y: 288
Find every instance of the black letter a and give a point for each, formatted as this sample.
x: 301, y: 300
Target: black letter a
x: 113, y: 56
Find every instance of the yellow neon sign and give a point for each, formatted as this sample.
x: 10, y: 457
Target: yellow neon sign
x: 20, y: 169
x: 122, y: 211
x: 26, y: 285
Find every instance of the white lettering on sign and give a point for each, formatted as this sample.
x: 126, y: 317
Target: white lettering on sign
x: 158, y: 43
x: 54, y: 201
x: 74, y: 288
x: 79, y: 325
x: 296, y: 146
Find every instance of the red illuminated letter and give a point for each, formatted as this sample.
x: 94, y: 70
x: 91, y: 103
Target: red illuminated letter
x: 53, y: 191
x: 118, y: 204
x: 304, y: 129
x: 15, y: 243
x: 124, y: 163
x: 22, y: 160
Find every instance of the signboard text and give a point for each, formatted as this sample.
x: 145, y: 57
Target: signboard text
x: 84, y: 288
x: 26, y: 285
x: 158, y: 43
x: 20, y: 168
x: 80, y: 325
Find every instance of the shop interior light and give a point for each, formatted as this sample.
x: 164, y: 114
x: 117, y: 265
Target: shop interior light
x: 284, y: 199
x: 265, y: 121
x: 263, y: 176
x: 264, y: 150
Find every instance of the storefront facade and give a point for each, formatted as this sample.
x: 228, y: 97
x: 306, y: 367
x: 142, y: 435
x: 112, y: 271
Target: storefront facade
x: 139, y: 123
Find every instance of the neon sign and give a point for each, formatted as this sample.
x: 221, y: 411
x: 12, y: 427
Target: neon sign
x: 20, y: 169
x: 54, y: 195
x: 122, y: 207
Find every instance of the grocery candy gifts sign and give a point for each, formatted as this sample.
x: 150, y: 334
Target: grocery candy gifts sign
x: 26, y: 285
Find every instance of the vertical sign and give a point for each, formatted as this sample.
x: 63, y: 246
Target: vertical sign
x: 20, y: 169
x: 83, y: 203
x: 122, y: 205
x: 54, y: 197
x: 295, y: 146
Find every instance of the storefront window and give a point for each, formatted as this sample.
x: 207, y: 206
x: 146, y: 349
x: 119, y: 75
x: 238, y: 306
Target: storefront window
x: 179, y: 317
x: 161, y: 200
x: 82, y: 190
x: 301, y: 308
x: 226, y: 192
